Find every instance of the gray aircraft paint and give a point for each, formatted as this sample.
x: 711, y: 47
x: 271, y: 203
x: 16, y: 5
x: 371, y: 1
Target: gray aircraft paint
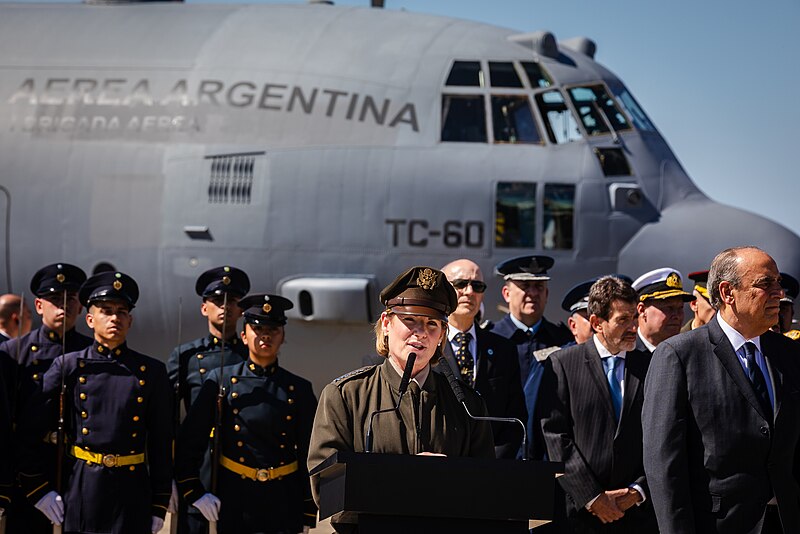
x: 302, y: 144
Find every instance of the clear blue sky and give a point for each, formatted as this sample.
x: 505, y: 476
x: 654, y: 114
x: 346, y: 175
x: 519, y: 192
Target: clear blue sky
x: 715, y: 76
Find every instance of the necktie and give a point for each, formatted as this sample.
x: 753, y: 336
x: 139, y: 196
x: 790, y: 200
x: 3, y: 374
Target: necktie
x: 611, y: 364
x: 466, y: 363
x: 757, y: 378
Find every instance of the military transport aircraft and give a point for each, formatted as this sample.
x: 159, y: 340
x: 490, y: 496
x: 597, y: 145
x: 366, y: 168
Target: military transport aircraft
x: 324, y: 149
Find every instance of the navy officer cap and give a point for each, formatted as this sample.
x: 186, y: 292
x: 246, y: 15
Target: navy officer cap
x: 577, y: 298
x: 265, y: 309
x: 221, y: 280
x: 57, y: 278
x: 525, y: 268
x: 107, y: 286
x: 790, y: 286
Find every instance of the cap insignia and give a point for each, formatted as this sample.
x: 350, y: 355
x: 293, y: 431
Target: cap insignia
x: 674, y: 281
x: 226, y: 280
x: 226, y: 269
x: 117, y: 285
x: 267, y: 308
x: 60, y: 278
x: 426, y: 279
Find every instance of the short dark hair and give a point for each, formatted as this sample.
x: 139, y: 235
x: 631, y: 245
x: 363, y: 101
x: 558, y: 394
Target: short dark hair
x: 605, y: 291
x: 725, y: 268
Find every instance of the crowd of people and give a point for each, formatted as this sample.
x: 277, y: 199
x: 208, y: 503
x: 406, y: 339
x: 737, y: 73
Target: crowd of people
x: 662, y: 425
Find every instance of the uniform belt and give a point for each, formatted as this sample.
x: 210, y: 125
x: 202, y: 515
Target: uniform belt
x: 108, y: 460
x: 259, y: 475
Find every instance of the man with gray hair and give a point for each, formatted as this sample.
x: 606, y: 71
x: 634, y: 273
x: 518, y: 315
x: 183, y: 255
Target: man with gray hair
x: 590, y: 402
x: 721, y: 415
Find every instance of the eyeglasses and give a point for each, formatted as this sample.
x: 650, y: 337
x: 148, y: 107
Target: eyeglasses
x: 477, y: 285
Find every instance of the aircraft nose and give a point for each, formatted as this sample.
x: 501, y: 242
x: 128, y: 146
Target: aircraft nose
x: 689, y: 234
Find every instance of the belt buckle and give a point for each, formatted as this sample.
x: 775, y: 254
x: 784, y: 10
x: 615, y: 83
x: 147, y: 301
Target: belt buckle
x: 110, y: 460
x: 263, y: 475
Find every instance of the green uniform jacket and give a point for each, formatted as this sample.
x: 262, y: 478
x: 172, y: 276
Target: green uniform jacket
x: 431, y: 420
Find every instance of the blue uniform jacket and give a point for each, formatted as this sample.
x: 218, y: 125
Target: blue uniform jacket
x: 266, y: 422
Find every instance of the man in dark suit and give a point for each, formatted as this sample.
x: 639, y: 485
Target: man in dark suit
x: 484, y: 360
x: 660, y: 308
x: 721, y: 414
x: 590, y: 405
x: 525, y: 291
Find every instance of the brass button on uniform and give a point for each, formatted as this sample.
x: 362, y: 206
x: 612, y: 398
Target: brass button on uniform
x: 288, y: 417
x: 236, y: 428
x: 202, y: 371
x: 132, y: 467
x: 34, y: 348
x: 83, y: 396
x: 239, y: 444
x: 82, y: 380
x: 140, y: 399
x: 84, y: 431
x: 141, y: 382
x: 241, y: 459
x: 291, y: 388
x: 118, y: 352
x: 283, y: 446
x: 236, y: 411
x: 100, y: 349
x: 133, y: 435
x: 234, y: 380
x: 290, y: 401
x: 234, y: 395
x: 84, y: 415
x: 199, y: 356
x: 36, y: 376
x: 135, y: 417
x: 143, y: 368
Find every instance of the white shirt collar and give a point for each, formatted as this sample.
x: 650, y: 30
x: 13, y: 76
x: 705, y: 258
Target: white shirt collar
x: 452, y: 331
x: 647, y: 344
x: 603, y: 351
x: 737, y: 339
x: 522, y: 326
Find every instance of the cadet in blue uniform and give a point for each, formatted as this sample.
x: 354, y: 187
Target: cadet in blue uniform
x: 267, y: 415
x: 32, y: 355
x: 118, y: 467
x: 190, y: 363
x: 525, y: 291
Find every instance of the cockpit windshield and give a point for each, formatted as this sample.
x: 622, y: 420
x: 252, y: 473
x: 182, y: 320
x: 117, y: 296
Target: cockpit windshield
x: 597, y: 110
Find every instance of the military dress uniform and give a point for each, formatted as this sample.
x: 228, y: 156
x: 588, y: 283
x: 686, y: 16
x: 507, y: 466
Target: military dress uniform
x: 31, y: 356
x: 264, y: 436
x: 431, y: 419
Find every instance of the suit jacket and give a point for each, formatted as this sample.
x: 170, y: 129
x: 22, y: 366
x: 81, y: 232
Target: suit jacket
x: 498, y: 383
x: 713, y: 457
x: 580, y: 430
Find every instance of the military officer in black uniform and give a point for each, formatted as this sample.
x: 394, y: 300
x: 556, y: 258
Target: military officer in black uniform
x: 525, y: 291
x: 32, y: 355
x: 267, y: 414
x: 118, y: 463
x: 189, y: 363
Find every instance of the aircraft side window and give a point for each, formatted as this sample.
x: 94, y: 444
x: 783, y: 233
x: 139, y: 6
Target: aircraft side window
x: 503, y: 74
x: 636, y: 113
x: 463, y: 118
x: 597, y: 110
x: 513, y: 120
x: 515, y: 215
x: 558, y: 217
x: 559, y: 121
x: 537, y: 76
x: 466, y: 74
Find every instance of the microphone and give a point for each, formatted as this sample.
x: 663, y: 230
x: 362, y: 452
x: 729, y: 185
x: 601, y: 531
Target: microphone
x: 406, y: 378
x: 458, y: 391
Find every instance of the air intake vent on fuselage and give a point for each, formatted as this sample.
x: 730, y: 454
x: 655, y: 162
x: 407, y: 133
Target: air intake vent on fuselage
x: 231, y: 178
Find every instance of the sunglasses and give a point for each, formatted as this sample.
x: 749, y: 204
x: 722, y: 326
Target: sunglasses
x: 477, y: 285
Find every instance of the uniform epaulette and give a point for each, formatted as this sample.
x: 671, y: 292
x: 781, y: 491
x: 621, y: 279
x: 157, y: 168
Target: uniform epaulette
x: 793, y: 334
x: 542, y: 354
x: 358, y: 372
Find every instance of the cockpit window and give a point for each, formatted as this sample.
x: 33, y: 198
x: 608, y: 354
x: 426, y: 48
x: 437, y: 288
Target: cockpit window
x: 558, y: 216
x: 558, y: 119
x: 636, y: 113
x: 466, y: 74
x: 598, y: 111
x: 513, y: 121
x: 463, y: 118
x: 502, y: 74
x: 515, y: 215
x: 537, y: 76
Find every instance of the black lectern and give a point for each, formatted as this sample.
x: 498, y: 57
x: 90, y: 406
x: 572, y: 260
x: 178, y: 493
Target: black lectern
x: 396, y: 493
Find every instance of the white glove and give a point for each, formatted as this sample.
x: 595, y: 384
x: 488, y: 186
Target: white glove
x: 209, y: 506
x: 156, y: 525
x: 172, y: 507
x: 52, y: 506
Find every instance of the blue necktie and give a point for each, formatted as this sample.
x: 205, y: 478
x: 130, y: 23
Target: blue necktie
x: 614, y: 385
x: 757, y: 378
